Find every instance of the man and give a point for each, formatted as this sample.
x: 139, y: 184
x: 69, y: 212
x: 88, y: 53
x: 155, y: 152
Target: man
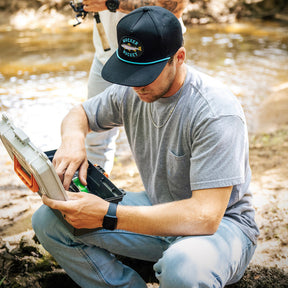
x: 188, y: 135
x: 101, y: 147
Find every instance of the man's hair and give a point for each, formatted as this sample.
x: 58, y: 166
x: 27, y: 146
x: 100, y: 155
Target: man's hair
x: 171, y: 60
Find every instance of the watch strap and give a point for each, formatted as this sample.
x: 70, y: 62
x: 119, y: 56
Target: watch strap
x: 110, y: 219
x: 112, y: 209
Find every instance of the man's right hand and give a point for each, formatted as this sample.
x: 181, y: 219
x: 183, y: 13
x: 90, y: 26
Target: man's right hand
x: 71, y: 155
x: 67, y: 162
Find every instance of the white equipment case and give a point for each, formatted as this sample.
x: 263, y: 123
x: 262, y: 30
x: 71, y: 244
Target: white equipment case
x: 31, y: 164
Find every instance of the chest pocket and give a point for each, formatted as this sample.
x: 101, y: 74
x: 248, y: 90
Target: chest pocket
x: 178, y: 176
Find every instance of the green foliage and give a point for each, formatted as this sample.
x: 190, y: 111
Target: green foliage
x: 2, y: 280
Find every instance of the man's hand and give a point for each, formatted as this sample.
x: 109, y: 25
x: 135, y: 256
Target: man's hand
x: 82, y: 210
x: 176, y: 7
x: 68, y: 159
x: 94, y: 5
x: 71, y: 155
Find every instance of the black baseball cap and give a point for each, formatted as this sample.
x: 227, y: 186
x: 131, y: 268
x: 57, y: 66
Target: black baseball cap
x: 147, y: 38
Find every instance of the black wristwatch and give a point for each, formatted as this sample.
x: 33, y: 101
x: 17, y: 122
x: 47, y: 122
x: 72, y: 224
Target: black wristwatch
x: 110, y: 219
x: 112, y: 5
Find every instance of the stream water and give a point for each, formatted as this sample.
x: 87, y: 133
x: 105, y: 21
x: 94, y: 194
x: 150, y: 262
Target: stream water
x: 44, y: 69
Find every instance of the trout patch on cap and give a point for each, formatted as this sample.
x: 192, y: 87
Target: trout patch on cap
x: 132, y: 48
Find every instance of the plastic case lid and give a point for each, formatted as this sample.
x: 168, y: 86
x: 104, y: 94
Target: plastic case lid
x: 32, y: 166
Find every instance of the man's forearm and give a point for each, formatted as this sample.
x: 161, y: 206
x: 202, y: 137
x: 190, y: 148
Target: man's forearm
x: 75, y: 122
x: 199, y: 215
x: 176, y: 7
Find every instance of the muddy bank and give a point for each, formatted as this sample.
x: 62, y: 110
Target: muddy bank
x: 272, y: 113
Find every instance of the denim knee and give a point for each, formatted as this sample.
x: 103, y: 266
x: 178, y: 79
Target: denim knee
x: 39, y: 219
x: 186, y: 268
x: 44, y: 222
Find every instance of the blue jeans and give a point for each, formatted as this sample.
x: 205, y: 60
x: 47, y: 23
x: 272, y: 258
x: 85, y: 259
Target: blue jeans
x: 191, y: 261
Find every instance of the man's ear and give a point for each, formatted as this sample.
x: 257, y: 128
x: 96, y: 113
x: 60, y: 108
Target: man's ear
x: 181, y: 55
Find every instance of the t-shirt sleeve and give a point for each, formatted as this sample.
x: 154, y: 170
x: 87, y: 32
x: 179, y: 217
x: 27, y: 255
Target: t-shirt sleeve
x: 218, y: 153
x: 104, y: 110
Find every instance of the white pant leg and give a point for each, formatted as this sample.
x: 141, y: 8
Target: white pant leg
x: 100, y: 147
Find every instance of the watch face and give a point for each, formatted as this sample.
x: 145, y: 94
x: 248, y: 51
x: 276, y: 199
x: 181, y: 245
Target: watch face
x: 109, y: 222
x: 112, y: 5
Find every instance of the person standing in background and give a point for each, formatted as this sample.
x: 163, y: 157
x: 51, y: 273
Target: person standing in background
x: 101, y: 147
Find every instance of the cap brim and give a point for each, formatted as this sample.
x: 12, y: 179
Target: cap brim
x: 133, y: 75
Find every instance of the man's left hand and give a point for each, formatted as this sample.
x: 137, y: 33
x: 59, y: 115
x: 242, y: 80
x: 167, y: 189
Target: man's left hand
x: 82, y: 210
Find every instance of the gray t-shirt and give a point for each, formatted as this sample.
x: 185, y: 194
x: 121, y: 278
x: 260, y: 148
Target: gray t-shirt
x: 203, y: 143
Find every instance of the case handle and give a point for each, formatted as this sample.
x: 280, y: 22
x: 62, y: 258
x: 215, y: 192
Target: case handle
x: 30, y: 182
